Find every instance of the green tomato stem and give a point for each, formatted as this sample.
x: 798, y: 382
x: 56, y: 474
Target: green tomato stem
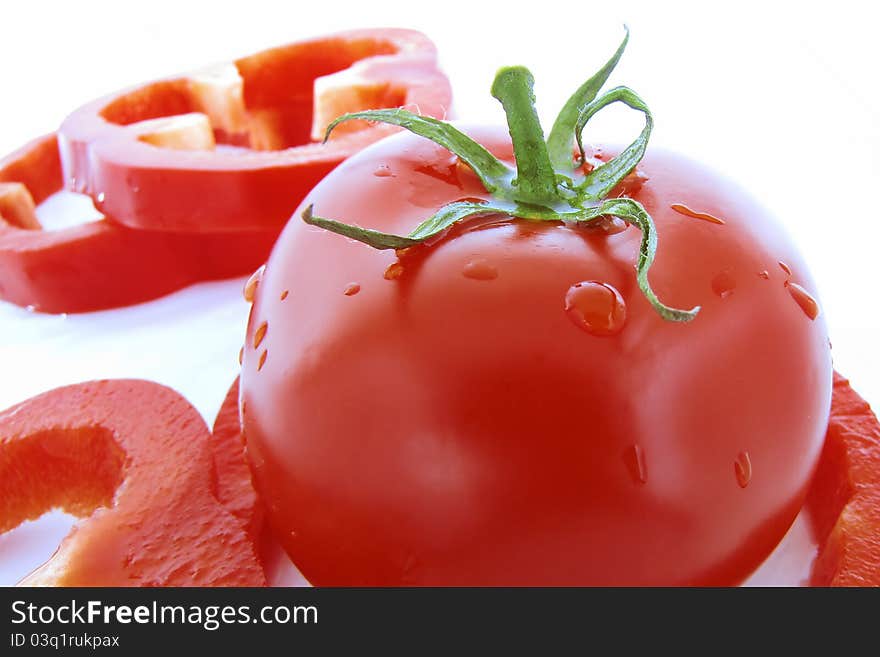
x: 535, y: 182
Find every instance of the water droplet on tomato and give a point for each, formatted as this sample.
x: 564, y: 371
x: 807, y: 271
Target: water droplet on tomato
x: 394, y: 271
x: 262, y: 360
x: 784, y: 267
x: 250, y: 288
x: 383, y: 171
x: 351, y: 289
x: 596, y: 308
x: 705, y: 216
x: 742, y: 467
x: 100, y: 198
x: 479, y: 269
x: 260, y: 333
x: 447, y: 171
x: 764, y: 274
x: 284, y: 294
x: 474, y: 199
x: 723, y: 284
x: 634, y: 458
x: 803, y: 298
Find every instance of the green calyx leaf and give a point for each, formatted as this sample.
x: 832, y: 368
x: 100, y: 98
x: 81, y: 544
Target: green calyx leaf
x: 545, y: 185
x: 433, y: 226
x: 369, y: 237
x: 560, y: 143
x: 495, y: 175
x: 633, y: 213
x: 599, y: 182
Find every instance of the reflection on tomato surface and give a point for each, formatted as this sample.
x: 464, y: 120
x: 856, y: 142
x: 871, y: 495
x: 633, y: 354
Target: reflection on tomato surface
x: 410, y: 422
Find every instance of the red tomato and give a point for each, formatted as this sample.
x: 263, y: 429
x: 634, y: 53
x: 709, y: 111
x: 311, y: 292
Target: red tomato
x: 447, y: 421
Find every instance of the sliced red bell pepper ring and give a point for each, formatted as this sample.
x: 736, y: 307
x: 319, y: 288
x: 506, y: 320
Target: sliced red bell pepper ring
x: 100, y: 264
x: 276, y: 102
x: 134, y: 460
x: 844, y: 500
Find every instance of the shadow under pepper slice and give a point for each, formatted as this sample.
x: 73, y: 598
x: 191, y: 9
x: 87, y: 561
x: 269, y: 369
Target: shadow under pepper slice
x: 235, y: 489
x: 277, y: 103
x: 134, y: 460
x: 100, y: 264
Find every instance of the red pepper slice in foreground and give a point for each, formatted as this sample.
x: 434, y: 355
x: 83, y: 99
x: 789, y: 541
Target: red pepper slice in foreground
x: 133, y: 458
x: 845, y: 498
x: 235, y: 489
x: 281, y: 99
x: 100, y: 264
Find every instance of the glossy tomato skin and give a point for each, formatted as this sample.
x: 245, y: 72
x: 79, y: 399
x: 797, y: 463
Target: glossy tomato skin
x: 444, y: 429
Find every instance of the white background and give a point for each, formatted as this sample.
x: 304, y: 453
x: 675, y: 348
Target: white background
x: 782, y: 98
